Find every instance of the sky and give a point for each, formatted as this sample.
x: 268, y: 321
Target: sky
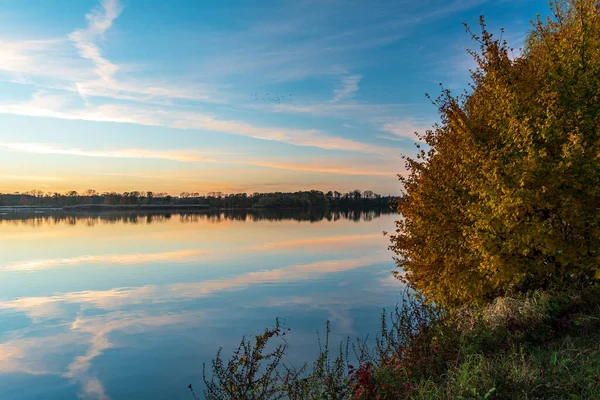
x: 231, y: 96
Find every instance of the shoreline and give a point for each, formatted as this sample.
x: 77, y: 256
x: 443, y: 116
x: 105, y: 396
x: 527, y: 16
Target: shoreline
x: 101, y: 208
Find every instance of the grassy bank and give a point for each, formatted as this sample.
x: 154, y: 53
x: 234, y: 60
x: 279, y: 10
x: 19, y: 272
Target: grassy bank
x: 543, y: 345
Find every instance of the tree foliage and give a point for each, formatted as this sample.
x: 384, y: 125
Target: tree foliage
x: 506, y: 193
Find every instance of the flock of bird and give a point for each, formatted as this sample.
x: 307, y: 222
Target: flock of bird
x: 276, y: 98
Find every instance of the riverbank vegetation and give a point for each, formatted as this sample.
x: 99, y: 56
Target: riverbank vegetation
x: 92, y: 200
x: 499, y: 243
x: 542, y: 345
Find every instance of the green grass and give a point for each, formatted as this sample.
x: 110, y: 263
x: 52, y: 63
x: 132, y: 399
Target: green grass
x: 538, y: 346
x: 567, y: 368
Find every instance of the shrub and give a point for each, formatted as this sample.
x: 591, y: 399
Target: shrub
x: 506, y: 196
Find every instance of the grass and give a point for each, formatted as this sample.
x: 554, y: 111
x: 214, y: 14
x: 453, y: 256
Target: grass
x: 564, y: 369
x: 541, y: 345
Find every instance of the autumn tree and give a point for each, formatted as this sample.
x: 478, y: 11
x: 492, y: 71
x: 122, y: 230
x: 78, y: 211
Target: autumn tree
x: 505, y: 193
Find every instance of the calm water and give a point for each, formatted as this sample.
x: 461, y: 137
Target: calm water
x: 127, y: 307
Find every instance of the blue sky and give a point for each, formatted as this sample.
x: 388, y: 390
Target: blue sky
x: 232, y: 96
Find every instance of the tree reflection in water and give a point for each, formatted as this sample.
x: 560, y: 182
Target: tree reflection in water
x: 92, y: 219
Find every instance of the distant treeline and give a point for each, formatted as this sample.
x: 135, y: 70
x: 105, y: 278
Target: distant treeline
x: 355, y: 199
x: 137, y: 218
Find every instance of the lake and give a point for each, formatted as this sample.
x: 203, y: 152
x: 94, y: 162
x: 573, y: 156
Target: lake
x: 128, y: 306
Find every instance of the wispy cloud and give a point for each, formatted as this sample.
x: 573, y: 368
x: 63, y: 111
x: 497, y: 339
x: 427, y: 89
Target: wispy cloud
x: 403, y: 129
x: 56, y: 106
x: 285, y: 46
x: 24, y: 60
x: 349, y: 86
x: 355, y: 169
x: 36, y: 178
x: 331, y: 165
x: 377, y: 116
x: 107, y: 85
x: 202, y: 84
x: 41, y: 148
x: 27, y: 60
x: 43, y: 104
x: 99, y: 21
x: 351, y: 111
x: 306, y: 137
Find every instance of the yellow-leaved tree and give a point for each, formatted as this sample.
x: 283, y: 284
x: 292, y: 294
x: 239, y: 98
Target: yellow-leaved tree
x: 506, y: 195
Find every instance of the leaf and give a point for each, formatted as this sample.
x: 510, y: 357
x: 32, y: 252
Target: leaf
x: 490, y: 393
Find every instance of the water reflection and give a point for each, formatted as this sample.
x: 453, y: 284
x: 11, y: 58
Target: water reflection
x: 71, y: 218
x: 112, y: 306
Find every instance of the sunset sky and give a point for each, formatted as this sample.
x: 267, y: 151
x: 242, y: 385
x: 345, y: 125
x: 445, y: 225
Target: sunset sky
x: 232, y: 96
